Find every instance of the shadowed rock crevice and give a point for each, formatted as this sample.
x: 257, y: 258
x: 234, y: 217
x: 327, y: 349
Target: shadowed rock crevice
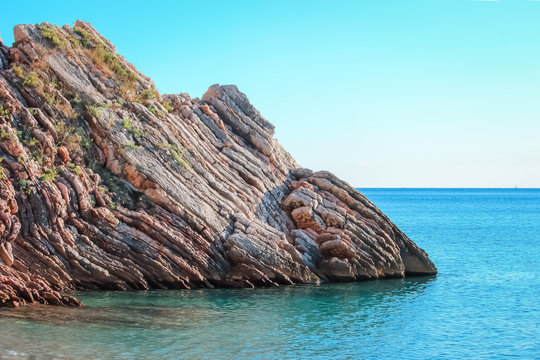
x: 107, y: 184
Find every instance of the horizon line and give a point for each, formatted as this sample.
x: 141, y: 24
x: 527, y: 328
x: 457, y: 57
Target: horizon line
x: 449, y: 188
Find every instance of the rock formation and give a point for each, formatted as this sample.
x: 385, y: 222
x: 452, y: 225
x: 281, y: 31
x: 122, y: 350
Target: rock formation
x: 107, y: 184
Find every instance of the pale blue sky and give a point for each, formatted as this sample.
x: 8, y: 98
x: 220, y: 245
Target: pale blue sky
x: 384, y: 93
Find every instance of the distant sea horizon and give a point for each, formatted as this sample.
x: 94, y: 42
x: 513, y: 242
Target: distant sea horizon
x: 447, y: 188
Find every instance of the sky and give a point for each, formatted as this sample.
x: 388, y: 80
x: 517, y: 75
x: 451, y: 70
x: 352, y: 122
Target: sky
x: 383, y: 93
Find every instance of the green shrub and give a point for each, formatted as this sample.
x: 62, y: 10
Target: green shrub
x: 167, y: 106
x: 85, y: 142
x: 50, y: 33
x: 148, y: 94
x: 31, y: 80
x: 82, y: 32
x: 128, y: 125
x: 101, y: 54
x: 85, y: 36
x: 37, y: 157
x: 77, y: 170
x: 104, y: 105
x: 76, y: 100
x: 18, y: 71
x: 70, y: 137
x: 155, y: 111
x: 177, y: 155
x: 93, y: 110
x: 137, y: 132
x: 23, y: 184
x: 49, y: 175
x: 4, y: 113
x: 50, y: 98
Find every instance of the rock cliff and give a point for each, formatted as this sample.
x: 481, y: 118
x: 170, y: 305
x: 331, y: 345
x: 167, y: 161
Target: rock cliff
x: 107, y: 184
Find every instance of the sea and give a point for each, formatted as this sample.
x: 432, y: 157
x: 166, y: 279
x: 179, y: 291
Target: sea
x: 483, y: 304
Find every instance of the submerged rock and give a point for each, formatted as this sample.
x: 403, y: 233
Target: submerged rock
x: 107, y: 184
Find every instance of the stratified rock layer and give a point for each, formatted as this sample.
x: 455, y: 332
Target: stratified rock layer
x: 106, y: 184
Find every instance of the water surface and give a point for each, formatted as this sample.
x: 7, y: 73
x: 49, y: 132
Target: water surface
x: 483, y: 304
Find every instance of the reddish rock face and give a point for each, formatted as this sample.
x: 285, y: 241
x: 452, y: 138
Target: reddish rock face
x: 106, y: 184
x: 62, y: 154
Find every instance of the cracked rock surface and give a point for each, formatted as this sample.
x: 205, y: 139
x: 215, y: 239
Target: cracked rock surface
x: 107, y: 184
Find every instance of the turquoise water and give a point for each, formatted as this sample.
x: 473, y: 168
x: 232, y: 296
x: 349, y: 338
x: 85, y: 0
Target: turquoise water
x: 483, y: 304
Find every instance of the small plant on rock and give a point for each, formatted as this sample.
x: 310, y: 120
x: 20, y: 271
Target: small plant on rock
x: 176, y: 153
x: 23, y: 185
x: 77, y: 170
x: 4, y: 135
x: 93, y: 110
x: 128, y: 125
x: 49, y: 175
x: 167, y: 106
x: 85, y: 142
x: 71, y: 137
x: 50, y: 33
x: 50, y: 98
x: 18, y: 71
x: 31, y: 80
x: 2, y: 171
x: 148, y: 94
x: 155, y: 111
x: 84, y: 41
x: 4, y: 113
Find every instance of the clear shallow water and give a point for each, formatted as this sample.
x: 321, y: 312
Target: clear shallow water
x: 484, y: 304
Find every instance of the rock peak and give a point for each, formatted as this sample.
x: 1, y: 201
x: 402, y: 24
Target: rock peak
x: 107, y: 184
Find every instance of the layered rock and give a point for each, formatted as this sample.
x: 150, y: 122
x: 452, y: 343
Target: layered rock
x: 107, y: 184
